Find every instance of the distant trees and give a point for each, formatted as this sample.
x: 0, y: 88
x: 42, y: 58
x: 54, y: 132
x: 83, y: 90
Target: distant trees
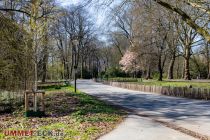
x: 187, y: 37
x: 181, y: 8
x: 158, y: 38
x: 74, y: 26
x: 38, y: 43
x: 205, y: 51
x: 165, y: 35
x: 172, y: 43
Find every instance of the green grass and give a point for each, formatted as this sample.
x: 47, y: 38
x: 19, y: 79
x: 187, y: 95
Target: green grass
x: 52, y: 87
x: 77, y: 115
x: 196, y: 84
x: 89, y: 106
x: 120, y: 79
x: 176, y: 83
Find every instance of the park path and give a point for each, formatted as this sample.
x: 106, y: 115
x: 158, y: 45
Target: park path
x: 188, y: 113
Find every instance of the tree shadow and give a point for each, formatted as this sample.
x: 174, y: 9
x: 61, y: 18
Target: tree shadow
x: 77, y: 105
x: 173, y: 108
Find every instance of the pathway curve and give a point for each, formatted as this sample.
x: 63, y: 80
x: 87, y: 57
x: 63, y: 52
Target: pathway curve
x: 188, y: 113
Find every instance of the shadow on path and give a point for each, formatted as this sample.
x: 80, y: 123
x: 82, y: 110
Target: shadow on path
x: 161, y: 106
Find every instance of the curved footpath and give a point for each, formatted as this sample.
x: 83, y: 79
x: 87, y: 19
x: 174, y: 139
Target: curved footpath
x: 153, y: 116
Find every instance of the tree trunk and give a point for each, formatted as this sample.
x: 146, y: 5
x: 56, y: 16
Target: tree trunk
x: 207, y: 61
x: 81, y: 76
x: 72, y: 62
x: 171, y: 67
x: 160, y: 69
x: 148, y: 76
x: 45, y: 58
x: 44, y: 66
x: 177, y: 70
x: 183, y: 70
x: 187, y: 64
x: 65, y: 69
x: 208, y: 77
x: 68, y: 71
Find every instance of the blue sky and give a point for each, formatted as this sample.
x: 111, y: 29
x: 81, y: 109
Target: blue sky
x: 68, y: 2
x: 97, y: 15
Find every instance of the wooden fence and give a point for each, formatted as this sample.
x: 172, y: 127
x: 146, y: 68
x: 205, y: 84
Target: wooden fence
x: 187, y: 92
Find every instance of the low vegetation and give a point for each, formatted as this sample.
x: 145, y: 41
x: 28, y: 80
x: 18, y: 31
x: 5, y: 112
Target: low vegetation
x: 118, y: 79
x: 77, y: 115
x: 196, y: 84
x: 172, y: 83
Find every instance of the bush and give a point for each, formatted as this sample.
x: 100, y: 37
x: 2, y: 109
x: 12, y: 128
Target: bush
x: 85, y: 74
x: 155, y: 75
x: 57, y: 87
x: 115, y: 72
x: 119, y: 79
x: 198, y: 72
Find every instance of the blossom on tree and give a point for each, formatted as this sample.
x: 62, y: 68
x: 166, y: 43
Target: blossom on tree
x: 129, y: 62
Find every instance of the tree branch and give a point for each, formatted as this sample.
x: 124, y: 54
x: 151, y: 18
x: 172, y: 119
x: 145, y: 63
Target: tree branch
x: 15, y: 10
x: 187, y: 19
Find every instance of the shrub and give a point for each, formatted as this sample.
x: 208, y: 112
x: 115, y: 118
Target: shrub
x: 115, y: 72
x: 119, y: 79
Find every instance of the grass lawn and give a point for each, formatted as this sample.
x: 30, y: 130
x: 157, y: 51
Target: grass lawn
x: 174, y: 83
x: 77, y: 115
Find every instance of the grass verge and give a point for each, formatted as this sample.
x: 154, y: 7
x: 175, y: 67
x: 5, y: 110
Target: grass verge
x: 77, y: 115
x: 178, y: 83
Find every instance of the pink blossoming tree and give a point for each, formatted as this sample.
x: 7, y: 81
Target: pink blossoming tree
x: 129, y: 62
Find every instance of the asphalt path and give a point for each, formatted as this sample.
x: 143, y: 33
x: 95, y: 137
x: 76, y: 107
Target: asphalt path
x: 191, y: 114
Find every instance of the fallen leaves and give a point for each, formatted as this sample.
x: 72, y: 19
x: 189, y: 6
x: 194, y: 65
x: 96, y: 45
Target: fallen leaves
x: 79, y: 116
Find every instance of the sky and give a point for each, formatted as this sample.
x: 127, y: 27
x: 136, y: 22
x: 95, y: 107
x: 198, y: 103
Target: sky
x: 69, y: 2
x: 98, y: 16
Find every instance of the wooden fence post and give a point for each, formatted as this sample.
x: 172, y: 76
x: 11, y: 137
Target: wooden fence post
x: 26, y: 102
